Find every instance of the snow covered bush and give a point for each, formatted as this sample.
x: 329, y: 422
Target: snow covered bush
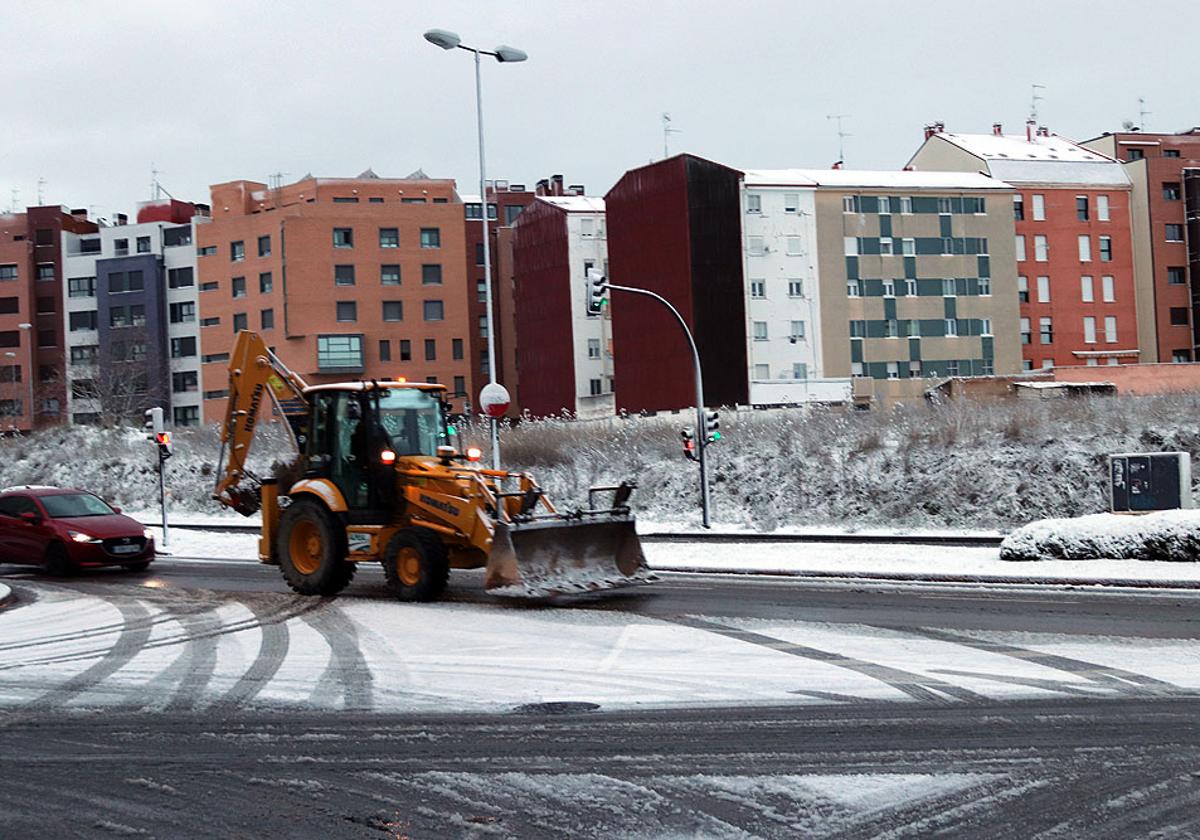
x: 1172, y: 535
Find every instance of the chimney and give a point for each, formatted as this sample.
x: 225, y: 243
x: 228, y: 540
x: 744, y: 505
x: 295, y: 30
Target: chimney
x: 1029, y: 126
x: 543, y: 187
x: 997, y: 129
x: 1043, y: 131
x: 79, y: 214
x: 557, y: 183
x: 576, y: 189
x: 908, y: 167
x: 836, y: 165
x: 928, y: 131
x: 121, y: 220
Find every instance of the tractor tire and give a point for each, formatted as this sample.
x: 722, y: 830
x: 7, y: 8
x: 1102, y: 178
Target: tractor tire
x: 417, y: 565
x: 312, y: 549
x: 57, y: 562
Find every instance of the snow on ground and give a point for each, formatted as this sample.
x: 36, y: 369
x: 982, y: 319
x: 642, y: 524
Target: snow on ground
x: 1170, y: 535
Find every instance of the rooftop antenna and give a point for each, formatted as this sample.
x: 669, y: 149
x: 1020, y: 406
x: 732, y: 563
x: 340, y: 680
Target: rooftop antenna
x: 1034, y: 99
x: 1142, y: 112
x: 41, y: 191
x: 842, y: 135
x: 667, y: 132
x: 156, y: 188
x: 15, y: 200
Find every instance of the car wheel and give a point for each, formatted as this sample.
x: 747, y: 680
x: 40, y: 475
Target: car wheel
x: 57, y: 562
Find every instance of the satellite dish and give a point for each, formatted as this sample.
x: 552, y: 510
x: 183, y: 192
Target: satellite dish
x: 1127, y: 125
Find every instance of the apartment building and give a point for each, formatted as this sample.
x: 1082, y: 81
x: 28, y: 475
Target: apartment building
x: 32, y: 366
x: 1076, y: 285
x: 346, y: 278
x: 563, y: 344
x: 1164, y: 169
x: 130, y: 317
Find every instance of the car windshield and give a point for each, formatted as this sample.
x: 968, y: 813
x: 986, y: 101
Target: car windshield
x: 412, y: 419
x: 69, y: 505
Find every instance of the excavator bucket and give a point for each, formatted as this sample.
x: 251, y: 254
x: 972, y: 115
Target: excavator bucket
x: 565, y: 557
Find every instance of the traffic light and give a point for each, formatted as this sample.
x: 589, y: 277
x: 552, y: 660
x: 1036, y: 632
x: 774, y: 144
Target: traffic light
x: 154, y: 422
x: 163, y: 439
x: 689, y: 443
x: 597, y: 284
x: 712, y: 426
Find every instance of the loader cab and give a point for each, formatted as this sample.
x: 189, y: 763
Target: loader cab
x: 352, y: 429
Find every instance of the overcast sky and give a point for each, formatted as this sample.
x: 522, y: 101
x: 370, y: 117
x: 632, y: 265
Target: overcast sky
x: 212, y: 91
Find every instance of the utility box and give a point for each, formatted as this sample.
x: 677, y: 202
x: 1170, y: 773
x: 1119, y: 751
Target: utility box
x: 1149, y: 481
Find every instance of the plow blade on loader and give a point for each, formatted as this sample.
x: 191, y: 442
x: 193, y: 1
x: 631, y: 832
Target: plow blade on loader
x: 565, y: 556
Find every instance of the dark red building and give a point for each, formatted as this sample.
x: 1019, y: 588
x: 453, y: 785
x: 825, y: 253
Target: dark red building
x: 674, y: 227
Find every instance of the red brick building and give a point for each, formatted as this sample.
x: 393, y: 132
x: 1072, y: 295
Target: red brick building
x: 1165, y: 172
x: 32, y: 361
x: 1072, y: 221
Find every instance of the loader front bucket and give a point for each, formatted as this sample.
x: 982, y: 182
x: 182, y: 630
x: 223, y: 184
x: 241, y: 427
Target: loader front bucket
x: 564, y: 557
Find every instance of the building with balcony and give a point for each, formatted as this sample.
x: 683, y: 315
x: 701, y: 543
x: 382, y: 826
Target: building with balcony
x: 130, y: 317
x: 1079, y: 299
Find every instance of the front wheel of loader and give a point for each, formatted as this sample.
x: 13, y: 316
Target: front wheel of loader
x: 417, y: 565
x: 312, y: 549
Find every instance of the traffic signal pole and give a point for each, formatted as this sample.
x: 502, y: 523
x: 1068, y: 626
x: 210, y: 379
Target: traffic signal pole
x: 701, y: 433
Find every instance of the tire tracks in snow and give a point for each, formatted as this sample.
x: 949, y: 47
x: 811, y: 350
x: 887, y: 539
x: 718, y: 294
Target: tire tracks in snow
x: 347, y: 672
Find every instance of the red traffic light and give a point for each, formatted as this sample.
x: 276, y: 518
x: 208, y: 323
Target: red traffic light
x: 162, y: 438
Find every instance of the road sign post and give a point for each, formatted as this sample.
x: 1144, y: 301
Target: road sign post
x: 494, y: 400
x: 162, y: 441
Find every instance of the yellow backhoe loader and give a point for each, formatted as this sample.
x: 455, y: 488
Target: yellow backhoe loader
x: 382, y: 481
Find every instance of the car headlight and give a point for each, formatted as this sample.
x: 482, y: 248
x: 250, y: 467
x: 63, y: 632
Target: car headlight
x: 81, y: 537
x: 148, y: 534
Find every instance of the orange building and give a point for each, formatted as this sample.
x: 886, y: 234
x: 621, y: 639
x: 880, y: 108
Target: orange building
x: 346, y: 278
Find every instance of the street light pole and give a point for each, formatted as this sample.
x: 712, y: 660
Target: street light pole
x: 449, y: 41
x: 28, y: 330
x: 701, y: 436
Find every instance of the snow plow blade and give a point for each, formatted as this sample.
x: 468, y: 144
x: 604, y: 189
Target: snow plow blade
x: 565, y: 557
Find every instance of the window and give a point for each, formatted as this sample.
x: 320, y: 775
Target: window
x: 433, y: 310
x: 1039, y: 208
x: 125, y: 281
x: 908, y: 247
x: 343, y: 238
x: 1136, y: 154
x: 183, y: 313
x: 214, y: 358
x: 180, y: 278
x: 889, y: 288
x: 478, y: 253
x: 1110, y: 329
x: 182, y: 348
x: 393, y: 310
x: 858, y: 329
x: 891, y: 328
x: 1081, y: 208
x: 240, y: 322
x: 483, y: 326
x: 799, y: 370
x: 756, y: 246
x: 431, y: 238
x: 456, y: 349
x: 1174, y: 233
x: 795, y: 288
x: 511, y: 211
x: 1019, y: 208
x: 1102, y: 208
x: 431, y: 274
x: 799, y: 333
x: 78, y: 287
x: 83, y: 354
x: 343, y: 275
x: 186, y: 415
x: 1179, y: 316
x: 856, y: 368
x: 1180, y: 356
x: 1172, y: 153
x: 762, y: 371
x: 1171, y: 191
x: 345, y: 199
x: 389, y: 237
x: 385, y: 350
x: 211, y: 322
x: 238, y: 287
x: 460, y: 382
x: 121, y: 247
x: 8, y: 272
x: 1105, y: 249
x: 1106, y: 284
x: 595, y: 387
x: 1046, y: 330
x: 431, y: 349
x: 210, y: 286
x: 885, y: 246
x: 795, y: 245
x: 185, y: 381
x: 848, y: 204
x: 853, y: 289
x: 1043, y: 284
x: 347, y: 311
x: 949, y: 287
x: 985, y: 286
x: 1086, y: 294
x: 910, y: 287
x: 1085, y: 248
x: 207, y: 251
x: 264, y: 246
x: 906, y: 205
x: 481, y: 291
x: 593, y: 348
x: 265, y: 282
x: 1089, y: 330
x: 951, y: 327
x: 943, y: 206
x: 237, y: 251
x: 1041, y: 249
x: 389, y: 275
x: 339, y: 353
x: 216, y: 395
x: 760, y: 330
x: 985, y: 326
x: 885, y: 205
x: 753, y: 203
x: 893, y: 370
x: 266, y: 319
x: 1020, y: 241
x: 1176, y: 275
x: 143, y: 244
x: 405, y: 350
x: 791, y: 202
x: 851, y: 246
x: 758, y: 288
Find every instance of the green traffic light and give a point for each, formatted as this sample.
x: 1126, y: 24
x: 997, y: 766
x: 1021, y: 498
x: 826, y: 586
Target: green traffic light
x: 450, y: 430
x: 716, y: 435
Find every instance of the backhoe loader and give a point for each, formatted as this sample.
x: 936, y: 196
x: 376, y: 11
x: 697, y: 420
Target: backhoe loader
x: 382, y: 481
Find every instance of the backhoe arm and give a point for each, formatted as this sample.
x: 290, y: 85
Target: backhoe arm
x: 254, y: 373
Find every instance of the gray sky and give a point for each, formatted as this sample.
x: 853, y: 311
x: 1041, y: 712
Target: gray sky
x: 217, y: 90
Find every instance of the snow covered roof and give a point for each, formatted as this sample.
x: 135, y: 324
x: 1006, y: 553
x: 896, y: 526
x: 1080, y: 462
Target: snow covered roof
x: 575, y: 203
x: 1046, y: 158
x: 866, y: 178
x: 1103, y: 173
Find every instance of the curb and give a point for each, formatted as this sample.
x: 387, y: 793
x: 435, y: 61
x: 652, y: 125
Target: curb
x: 7, y: 597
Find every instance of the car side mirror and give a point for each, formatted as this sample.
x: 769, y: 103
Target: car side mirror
x: 31, y: 517
x: 115, y: 509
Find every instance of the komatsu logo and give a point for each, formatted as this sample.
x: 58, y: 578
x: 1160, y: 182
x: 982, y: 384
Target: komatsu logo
x: 445, y: 507
x: 252, y: 414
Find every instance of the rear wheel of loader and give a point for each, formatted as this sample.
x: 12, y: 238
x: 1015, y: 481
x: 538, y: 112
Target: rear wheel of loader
x: 416, y: 564
x: 312, y: 549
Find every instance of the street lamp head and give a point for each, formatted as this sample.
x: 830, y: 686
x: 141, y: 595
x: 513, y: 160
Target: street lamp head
x: 443, y: 38
x: 510, y: 54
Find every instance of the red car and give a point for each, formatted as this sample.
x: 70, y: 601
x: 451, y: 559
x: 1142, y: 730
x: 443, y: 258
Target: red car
x: 65, y: 530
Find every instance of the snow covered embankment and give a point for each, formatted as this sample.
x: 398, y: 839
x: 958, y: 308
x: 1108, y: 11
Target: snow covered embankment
x: 1172, y: 535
